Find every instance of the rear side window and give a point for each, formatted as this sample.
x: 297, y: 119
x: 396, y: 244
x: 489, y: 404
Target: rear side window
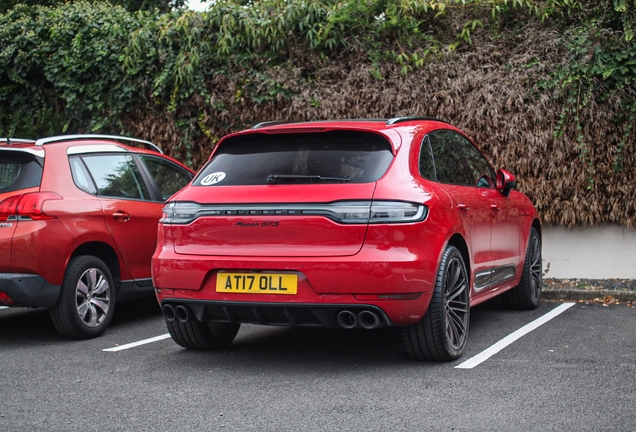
x: 116, y: 176
x: 168, y: 177
x: 427, y: 165
x: 479, y: 170
x: 81, y: 177
x: 327, y: 157
x: 19, y: 171
x: 448, y: 164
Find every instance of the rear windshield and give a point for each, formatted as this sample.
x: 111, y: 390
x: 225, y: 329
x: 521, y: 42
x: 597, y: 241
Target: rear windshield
x: 19, y: 170
x: 327, y: 157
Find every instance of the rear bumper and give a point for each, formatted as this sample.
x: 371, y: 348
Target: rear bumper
x: 372, y: 271
x: 399, y: 292
x: 29, y: 290
x: 395, y: 278
x: 279, y: 314
x: 307, y: 310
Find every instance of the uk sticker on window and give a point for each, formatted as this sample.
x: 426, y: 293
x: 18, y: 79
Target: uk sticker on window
x: 213, y: 178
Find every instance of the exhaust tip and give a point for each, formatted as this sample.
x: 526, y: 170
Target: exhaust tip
x: 182, y: 313
x: 347, y: 319
x: 168, y: 312
x: 368, y: 319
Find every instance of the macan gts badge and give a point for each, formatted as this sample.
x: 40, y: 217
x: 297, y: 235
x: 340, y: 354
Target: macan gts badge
x: 350, y: 224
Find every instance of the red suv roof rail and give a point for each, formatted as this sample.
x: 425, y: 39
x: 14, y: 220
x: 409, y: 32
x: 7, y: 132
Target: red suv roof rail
x: 388, y: 122
x: 60, y: 138
x: 271, y: 123
x: 10, y: 141
x: 282, y: 122
x: 411, y: 118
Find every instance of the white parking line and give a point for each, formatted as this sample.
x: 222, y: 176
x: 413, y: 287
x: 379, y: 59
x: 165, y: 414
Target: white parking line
x: 4, y: 307
x: 494, y: 349
x: 136, y: 344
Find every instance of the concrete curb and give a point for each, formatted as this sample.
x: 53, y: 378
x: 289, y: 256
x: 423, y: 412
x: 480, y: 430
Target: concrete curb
x: 583, y: 294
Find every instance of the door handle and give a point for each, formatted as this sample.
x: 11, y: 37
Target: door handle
x: 462, y: 207
x: 494, y: 207
x: 121, y: 216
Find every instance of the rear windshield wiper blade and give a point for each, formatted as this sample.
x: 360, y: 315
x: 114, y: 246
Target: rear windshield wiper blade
x: 293, y: 178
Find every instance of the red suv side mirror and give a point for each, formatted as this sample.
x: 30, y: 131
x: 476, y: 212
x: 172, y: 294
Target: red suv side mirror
x: 505, y: 182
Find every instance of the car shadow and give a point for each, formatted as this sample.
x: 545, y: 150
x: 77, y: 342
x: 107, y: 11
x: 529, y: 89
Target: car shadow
x: 27, y: 326
x: 286, y: 347
x: 132, y: 311
x: 266, y: 348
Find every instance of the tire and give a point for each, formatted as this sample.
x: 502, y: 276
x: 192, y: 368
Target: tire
x: 441, y: 334
x: 87, y: 299
x: 527, y: 294
x: 195, y: 335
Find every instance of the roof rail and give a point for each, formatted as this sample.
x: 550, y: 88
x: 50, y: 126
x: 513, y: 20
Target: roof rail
x: 271, y: 123
x: 279, y: 122
x: 9, y: 140
x: 147, y: 144
x: 409, y: 118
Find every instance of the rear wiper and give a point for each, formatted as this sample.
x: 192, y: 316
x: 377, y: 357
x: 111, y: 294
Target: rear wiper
x: 292, y: 178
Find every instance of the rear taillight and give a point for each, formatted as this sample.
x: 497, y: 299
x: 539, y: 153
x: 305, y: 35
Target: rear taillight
x: 5, y: 300
x: 375, y: 212
x: 345, y: 212
x: 27, y: 206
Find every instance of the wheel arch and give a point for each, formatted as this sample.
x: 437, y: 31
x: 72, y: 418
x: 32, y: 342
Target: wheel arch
x: 458, y: 241
x: 104, y: 252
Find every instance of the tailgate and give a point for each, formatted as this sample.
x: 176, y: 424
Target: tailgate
x: 285, y: 221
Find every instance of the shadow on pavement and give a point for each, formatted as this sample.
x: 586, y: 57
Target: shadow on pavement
x: 26, y: 326
x: 135, y: 310
x: 34, y: 326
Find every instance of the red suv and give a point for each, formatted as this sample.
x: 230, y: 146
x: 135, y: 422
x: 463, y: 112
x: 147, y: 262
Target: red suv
x: 352, y: 223
x: 78, y: 224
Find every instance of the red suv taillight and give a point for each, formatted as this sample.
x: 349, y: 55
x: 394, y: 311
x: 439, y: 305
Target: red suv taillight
x: 6, y: 300
x: 26, y: 206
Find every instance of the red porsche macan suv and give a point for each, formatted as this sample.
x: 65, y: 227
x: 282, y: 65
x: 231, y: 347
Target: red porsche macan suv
x: 78, y: 224
x: 352, y: 223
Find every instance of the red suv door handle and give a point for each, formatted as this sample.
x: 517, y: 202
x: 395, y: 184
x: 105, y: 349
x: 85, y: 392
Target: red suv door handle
x: 462, y: 207
x: 494, y: 207
x: 121, y: 216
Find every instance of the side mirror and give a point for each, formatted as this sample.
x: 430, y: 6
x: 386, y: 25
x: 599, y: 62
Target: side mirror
x: 505, y: 182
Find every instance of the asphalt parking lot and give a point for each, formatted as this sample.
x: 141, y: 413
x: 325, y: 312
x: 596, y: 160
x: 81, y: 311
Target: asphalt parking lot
x: 575, y: 371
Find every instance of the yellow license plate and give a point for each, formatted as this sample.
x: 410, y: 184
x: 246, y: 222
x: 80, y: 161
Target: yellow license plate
x: 257, y: 283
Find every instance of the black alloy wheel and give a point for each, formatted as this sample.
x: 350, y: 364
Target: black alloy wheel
x: 441, y: 334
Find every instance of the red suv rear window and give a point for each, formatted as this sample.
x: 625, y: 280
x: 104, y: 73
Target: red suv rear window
x: 19, y: 170
x: 317, y: 157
